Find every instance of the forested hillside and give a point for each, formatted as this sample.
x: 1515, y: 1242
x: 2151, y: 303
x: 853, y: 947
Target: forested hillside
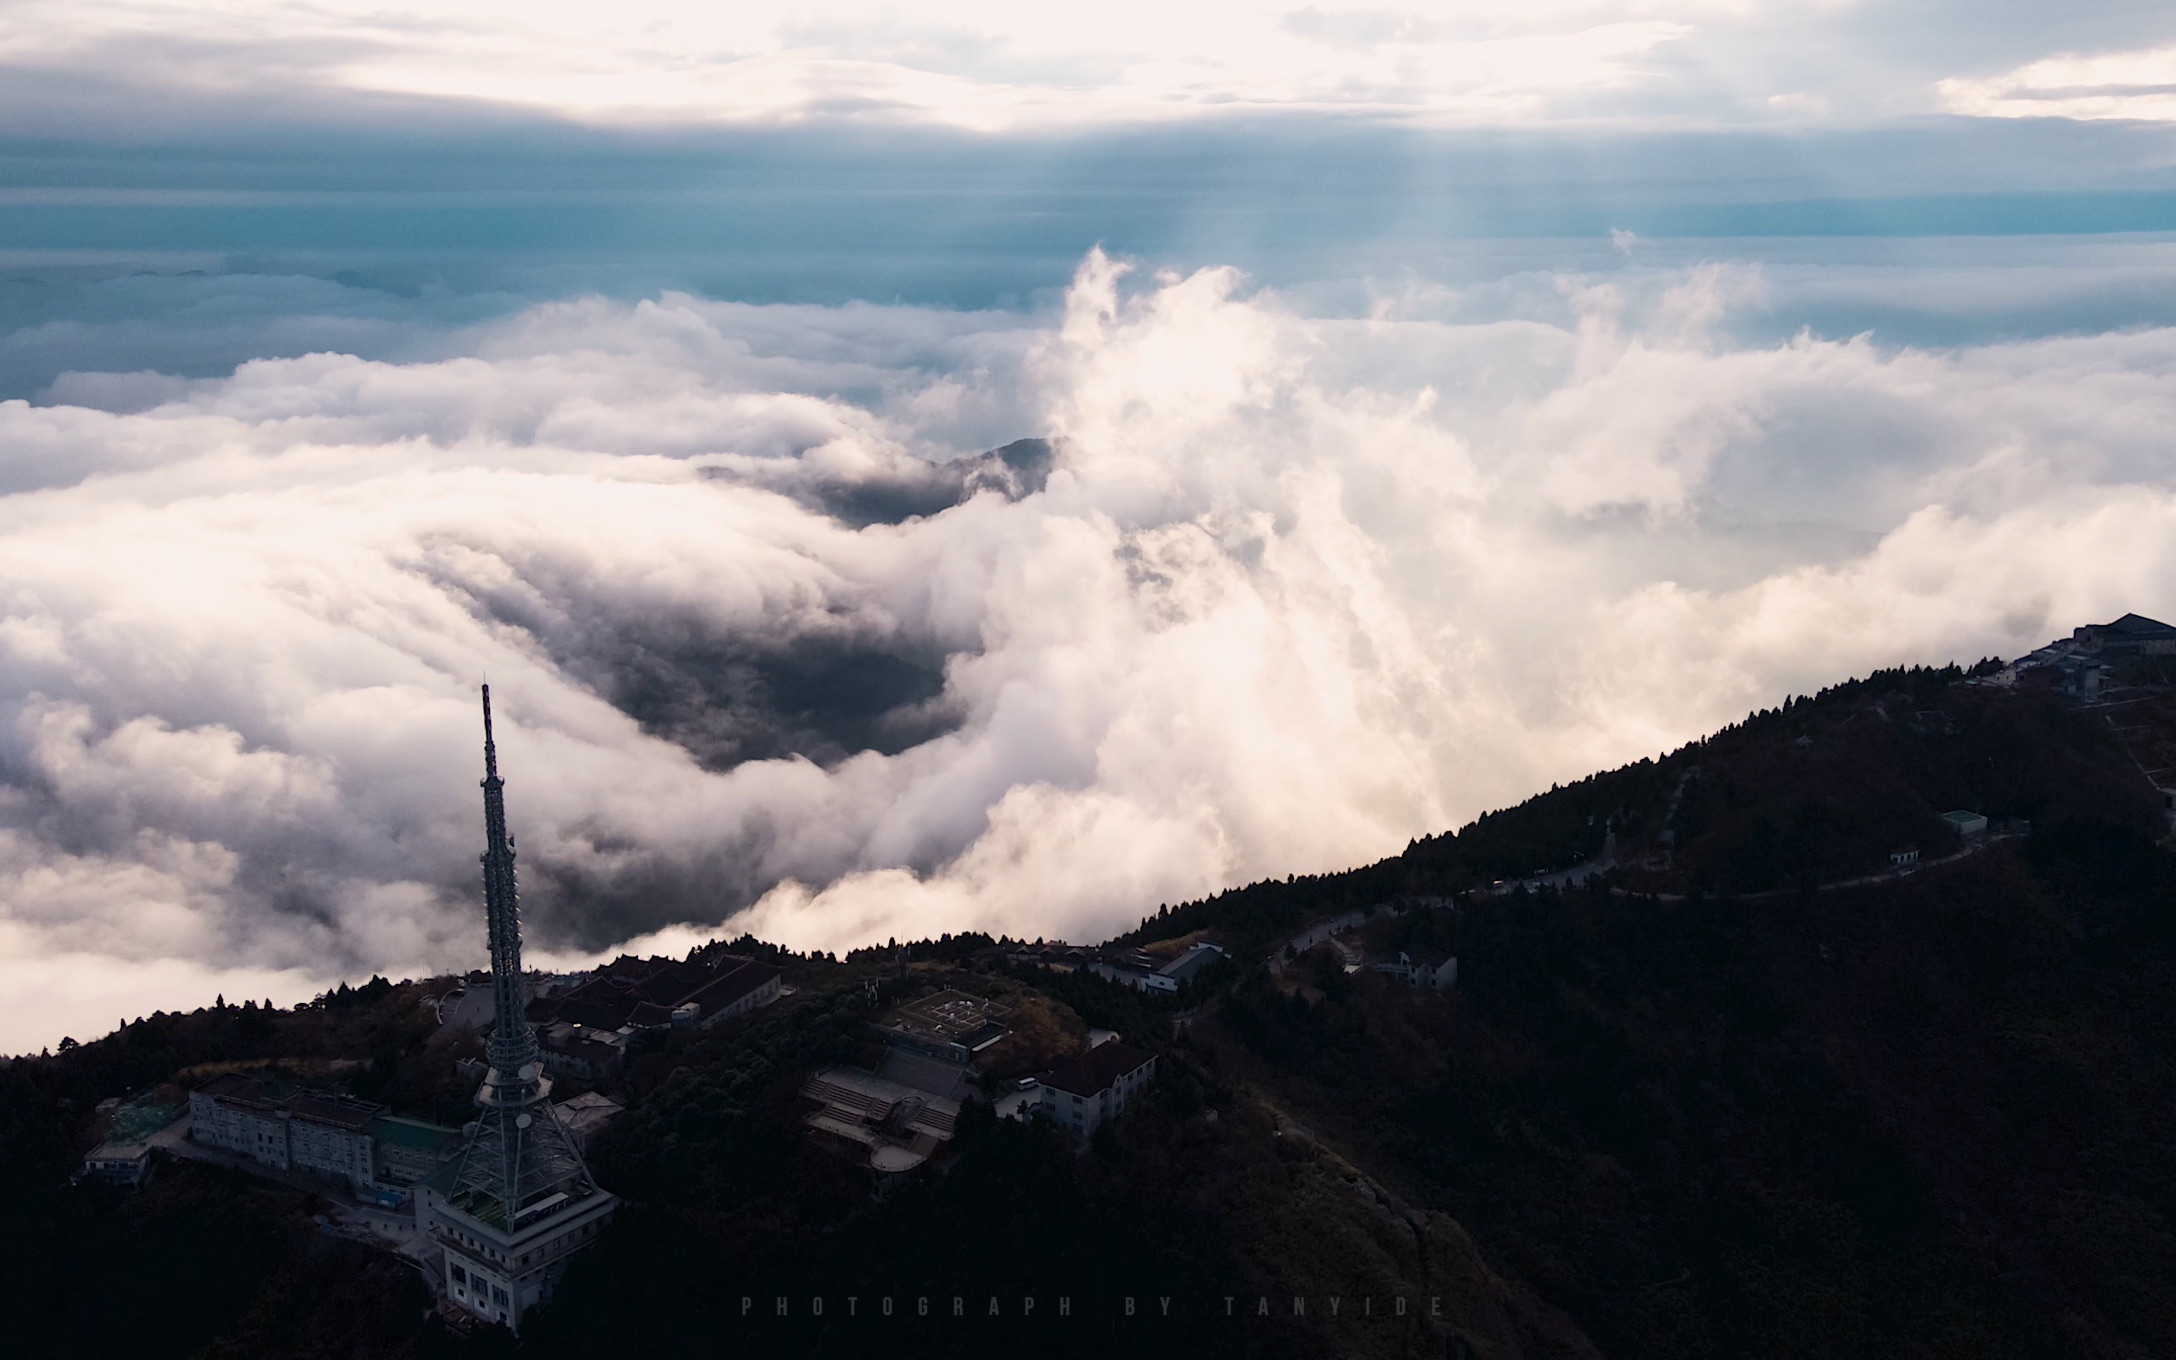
x: 1743, y: 1092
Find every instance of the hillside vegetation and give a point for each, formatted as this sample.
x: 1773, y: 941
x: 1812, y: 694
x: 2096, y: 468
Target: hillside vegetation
x: 1708, y: 1104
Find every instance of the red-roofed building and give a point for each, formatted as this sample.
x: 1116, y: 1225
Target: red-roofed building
x: 2134, y: 633
x: 1080, y: 1093
x: 737, y: 989
x: 584, y: 1030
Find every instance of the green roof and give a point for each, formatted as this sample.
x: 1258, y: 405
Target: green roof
x: 484, y: 1208
x: 442, y: 1179
x: 415, y: 1133
x: 140, y: 1118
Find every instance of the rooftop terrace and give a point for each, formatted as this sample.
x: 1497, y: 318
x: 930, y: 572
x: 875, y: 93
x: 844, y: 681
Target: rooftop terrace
x: 955, y: 1018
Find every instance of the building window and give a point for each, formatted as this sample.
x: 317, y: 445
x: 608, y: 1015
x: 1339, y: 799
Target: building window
x: 460, y: 1276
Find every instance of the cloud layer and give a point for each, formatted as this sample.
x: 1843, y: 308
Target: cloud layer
x: 967, y: 63
x: 2137, y: 85
x: 775, y: 649
x: 990, y: 67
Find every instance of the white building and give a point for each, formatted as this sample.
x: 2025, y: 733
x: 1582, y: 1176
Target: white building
x: 1427, y: 968
x: 409, y: 1150
x: 497, y: 1272
x: 319, y: 1133
x: 1082, y: 1092
x: 1145, y: 972
x: 234, y: 1112
x: 329, y: 1136
x: 117, y: 1164
x: 1969, y: 826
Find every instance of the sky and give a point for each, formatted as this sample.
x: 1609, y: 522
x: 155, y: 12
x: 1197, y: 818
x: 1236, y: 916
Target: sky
x: 918, y: 469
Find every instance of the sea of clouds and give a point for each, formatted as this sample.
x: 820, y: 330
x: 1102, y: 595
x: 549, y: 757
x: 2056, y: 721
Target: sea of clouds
x: 774, y: 646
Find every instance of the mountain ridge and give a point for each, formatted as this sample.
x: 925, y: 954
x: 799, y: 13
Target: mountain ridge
x: 1700, y: 1102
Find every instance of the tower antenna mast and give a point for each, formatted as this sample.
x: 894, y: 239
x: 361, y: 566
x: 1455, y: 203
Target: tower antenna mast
x: 520, y: 1196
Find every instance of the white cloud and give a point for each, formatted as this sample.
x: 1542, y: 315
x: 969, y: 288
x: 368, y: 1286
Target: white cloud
x: 1298, y: 589
x: 968, y: 63
x: 997, y: 68
x: 52, y: 996
x: 2138, y: 85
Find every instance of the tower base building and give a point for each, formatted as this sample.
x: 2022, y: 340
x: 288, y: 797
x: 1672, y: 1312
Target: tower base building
x: 501, y: 1275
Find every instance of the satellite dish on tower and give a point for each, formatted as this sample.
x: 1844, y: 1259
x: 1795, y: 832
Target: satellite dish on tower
x: 522, y: 1121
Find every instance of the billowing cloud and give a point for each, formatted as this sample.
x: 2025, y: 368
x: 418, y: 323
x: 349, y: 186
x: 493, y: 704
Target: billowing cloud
x: 778, y: 644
